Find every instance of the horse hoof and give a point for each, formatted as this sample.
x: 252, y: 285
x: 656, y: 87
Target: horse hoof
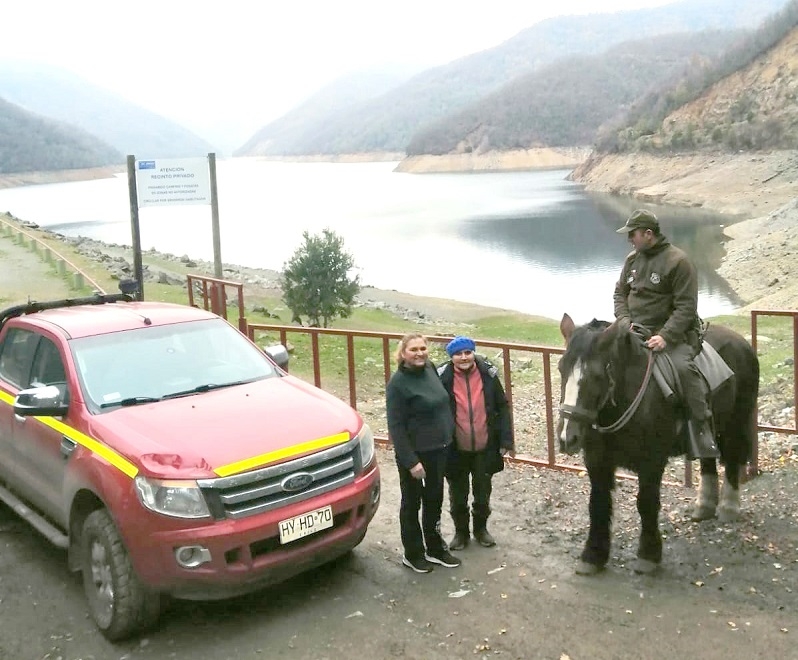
x: 702, y: 513
x: 728, y: 515
x: 644, y: 566
x: 585, y: 568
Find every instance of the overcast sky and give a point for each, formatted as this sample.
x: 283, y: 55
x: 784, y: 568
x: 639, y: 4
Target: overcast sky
x: 243, y: 63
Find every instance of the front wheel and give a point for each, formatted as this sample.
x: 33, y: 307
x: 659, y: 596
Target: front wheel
x: 119, y: 603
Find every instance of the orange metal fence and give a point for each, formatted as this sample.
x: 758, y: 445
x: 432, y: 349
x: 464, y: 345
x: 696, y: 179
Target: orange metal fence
x: 755, y: 315
x: 386, y: 338
x: 214, y: 297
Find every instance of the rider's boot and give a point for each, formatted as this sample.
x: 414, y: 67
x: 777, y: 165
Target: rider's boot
x: 701, y: 439
x: 701, y: 433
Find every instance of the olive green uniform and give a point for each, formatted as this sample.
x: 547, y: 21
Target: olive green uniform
x: 658, y: 289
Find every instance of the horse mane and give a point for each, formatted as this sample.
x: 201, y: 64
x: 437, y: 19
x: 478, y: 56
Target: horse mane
x: 582, y: 341
x: 597, y: 336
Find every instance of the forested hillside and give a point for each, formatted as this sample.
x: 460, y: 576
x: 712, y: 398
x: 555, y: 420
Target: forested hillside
x: 564, y: 103
x: 388, y: 123
x: 746, y: 100
x: 29, y: 142
x: 298, y: 128
x: 65, y: 97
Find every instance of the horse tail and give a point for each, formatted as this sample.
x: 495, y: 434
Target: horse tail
x: 745, y: 412
x: 737, y: 400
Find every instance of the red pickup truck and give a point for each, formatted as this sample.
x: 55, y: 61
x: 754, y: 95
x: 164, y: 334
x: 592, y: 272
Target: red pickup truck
x: 171, y: 456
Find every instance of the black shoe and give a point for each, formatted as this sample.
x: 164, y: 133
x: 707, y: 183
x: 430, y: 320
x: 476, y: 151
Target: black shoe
x: 484, y: 538
x: 418, y: 564
x: 460, y: 540
x: 444, y: 558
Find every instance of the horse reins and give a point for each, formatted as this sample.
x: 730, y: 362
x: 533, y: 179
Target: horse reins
x: 623, y: 420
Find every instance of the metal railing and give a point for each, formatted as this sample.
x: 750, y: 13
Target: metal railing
x: 755, y: 314
x: 385, y: 338
x: 213, y: 292
x: 214, y: 296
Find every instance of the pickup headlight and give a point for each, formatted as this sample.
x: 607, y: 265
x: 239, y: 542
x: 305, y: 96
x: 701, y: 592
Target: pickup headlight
x: 172, y: 497
x: 366, y: 444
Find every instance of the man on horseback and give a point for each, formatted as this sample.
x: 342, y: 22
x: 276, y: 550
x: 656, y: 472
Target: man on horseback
x: 658, y: 290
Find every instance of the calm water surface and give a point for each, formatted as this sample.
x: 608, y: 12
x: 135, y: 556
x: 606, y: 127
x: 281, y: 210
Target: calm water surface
x: 527, y: 241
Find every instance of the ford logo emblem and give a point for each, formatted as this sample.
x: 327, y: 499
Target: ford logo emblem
x: 298, y: 481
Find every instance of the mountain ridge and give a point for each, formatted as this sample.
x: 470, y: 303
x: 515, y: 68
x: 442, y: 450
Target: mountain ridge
x: 67, y: 98
x: 388, y: 122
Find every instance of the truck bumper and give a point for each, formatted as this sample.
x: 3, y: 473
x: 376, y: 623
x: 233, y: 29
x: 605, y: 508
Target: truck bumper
x: 245, y: 555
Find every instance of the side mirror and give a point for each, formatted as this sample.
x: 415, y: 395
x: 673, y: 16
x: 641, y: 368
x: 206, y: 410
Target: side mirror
x: 47, y: 401
x: 279, y: 354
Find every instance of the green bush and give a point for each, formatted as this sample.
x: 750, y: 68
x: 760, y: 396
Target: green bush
x: 316, y: 283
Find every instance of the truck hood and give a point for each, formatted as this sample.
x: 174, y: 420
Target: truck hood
x: 192, y: 436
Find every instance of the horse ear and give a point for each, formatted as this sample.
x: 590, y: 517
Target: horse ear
x: 610, y: 337
x: 567, y: 327
x: 606, y: 338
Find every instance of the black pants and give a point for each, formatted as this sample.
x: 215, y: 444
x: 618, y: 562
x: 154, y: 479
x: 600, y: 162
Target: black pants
x: 426, y: 495
x: 469, y: 465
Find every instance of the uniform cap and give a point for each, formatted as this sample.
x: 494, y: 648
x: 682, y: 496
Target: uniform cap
x: 640, y: 219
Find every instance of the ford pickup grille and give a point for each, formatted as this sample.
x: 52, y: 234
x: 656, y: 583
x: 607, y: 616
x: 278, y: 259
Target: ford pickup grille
x: 276, y: 486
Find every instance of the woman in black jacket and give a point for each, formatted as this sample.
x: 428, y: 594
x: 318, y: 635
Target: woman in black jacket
x: 420, y: 426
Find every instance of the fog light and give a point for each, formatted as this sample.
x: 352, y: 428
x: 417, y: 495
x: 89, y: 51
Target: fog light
x: 191, y: 556
x: 375, y: 494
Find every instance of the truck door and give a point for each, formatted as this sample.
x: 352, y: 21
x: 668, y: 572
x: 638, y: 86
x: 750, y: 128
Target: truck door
x: 42, y: 452
x: 16, y: 358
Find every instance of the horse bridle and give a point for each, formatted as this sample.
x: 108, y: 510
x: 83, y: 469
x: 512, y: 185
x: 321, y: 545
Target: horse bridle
x: 582, y: 414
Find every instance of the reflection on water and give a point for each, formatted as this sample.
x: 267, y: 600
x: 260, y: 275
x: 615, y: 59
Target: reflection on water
x: 529, y: 241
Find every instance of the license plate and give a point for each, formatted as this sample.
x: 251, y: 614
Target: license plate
x: 308, y: 523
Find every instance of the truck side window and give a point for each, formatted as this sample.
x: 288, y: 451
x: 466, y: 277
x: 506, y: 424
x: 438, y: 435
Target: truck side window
x: 16, y: 356
x: 48, y: 368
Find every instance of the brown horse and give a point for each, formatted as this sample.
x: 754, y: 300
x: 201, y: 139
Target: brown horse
x: 616, y: 413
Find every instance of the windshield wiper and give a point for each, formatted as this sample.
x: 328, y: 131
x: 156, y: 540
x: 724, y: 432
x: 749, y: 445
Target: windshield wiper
x: 131, y: 401
x: 199, y: 389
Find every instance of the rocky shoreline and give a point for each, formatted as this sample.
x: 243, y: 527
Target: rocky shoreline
x: 543, y: 158
x: 171, y: 269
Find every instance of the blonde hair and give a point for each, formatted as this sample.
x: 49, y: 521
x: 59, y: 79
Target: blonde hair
x: 403, y: 342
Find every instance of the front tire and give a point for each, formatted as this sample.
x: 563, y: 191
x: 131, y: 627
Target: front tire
x: 119, y: 603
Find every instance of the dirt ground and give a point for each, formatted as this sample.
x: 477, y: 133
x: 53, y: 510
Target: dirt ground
x: 723, y: 591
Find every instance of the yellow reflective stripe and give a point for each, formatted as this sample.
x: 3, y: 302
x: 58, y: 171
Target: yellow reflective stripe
x: 91, y: 444
x: 287, y: 452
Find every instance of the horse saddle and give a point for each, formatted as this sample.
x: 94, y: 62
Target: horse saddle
x: 709, y: 362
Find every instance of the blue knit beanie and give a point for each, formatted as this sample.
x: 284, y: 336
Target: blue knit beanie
x: 460, y: 344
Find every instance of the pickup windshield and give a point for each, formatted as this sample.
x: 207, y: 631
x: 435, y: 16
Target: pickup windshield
x: 150, y: 364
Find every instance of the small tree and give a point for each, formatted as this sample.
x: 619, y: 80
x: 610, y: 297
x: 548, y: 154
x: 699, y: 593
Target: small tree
x: 316, y: 281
